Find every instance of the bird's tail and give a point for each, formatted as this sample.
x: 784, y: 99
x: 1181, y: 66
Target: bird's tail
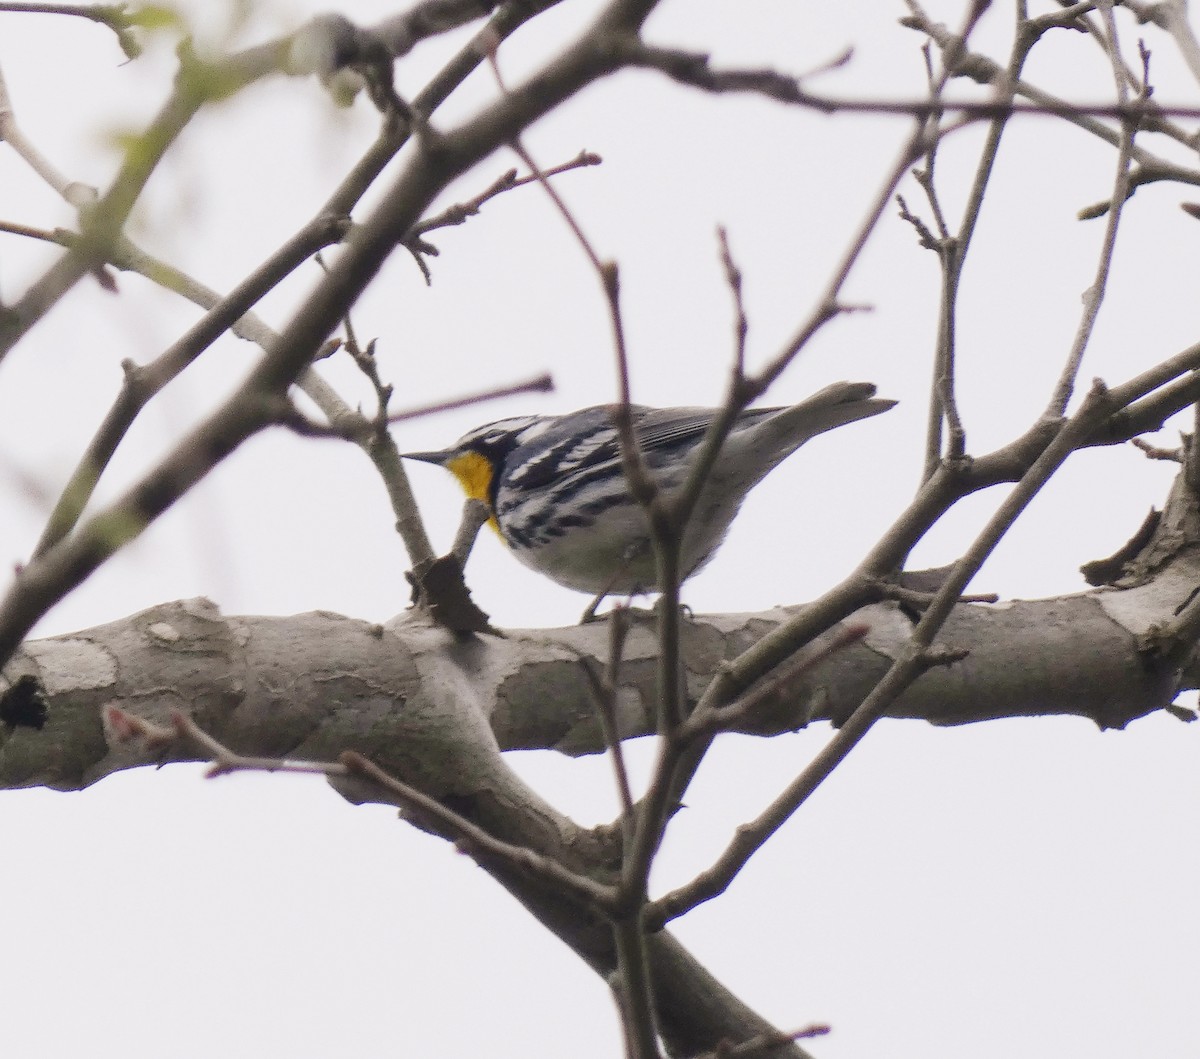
x: 834, y: 406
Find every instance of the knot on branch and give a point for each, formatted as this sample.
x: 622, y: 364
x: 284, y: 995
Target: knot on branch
x: 441, y: 592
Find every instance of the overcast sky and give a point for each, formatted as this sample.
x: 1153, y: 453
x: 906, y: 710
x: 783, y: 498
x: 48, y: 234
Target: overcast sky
x: 1017, y: 886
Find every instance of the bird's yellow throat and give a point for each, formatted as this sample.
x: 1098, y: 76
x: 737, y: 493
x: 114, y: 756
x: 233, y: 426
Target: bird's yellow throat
x: 474, y: 474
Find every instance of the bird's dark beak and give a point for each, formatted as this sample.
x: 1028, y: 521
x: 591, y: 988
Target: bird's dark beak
x: 439, y: 458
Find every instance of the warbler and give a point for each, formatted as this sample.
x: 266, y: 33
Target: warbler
x: 557, y: 493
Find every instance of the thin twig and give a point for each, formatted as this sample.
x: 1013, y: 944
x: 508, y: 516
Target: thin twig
x: 542, y: 383
x: 76, y: 194
x: 984, y: 70
x: 1172, y: 16
x: 765, y: 1042
x: 912, y: 660
x: 640, y: 481
x: 952, y: 250
x: 921, y: 600
x: 358, y: 428
x: 461, y: 212
x: 104, y: 220
x: 1093, y: 297
x: 605, y: 692
x: 733, y: 278
x: 633, y: 981
x: 925, y: 236
x: 474, y: 840
x: 635, y: 989
x: 474, y: 517
x: 105, y: 14
x: 712, y: 719
x: 618, y: 624
x: 666, y: 532
x: 128, y: 727
x: 692, y: 69
x: 1155, y: 452
x: 142, y: 383
x: 677, y: 763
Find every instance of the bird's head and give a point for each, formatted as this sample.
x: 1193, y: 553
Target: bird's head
x: 477, y: 459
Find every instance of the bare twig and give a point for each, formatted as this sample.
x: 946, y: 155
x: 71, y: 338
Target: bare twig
x: 711, y: 719
x: 677, y: 762
x: 123, y: 726
x: 639, y: 477
x: 143, y: 383
x: 913, y: 660
x: 538, y: 384
x: 921, y: 600
x: 733, y: 278
x: 605, y: 691
x: 474, y: 840
x: 461, y: 212
x: 474, y: 517
x: 925, y: 237
x: 103, y: 221
x: 1154, y: 452
x: 81, y: 196
x: 1171, y: 16
x: 984, y: 70
x: 112, y: 15
x: 420, y: 248
x: 692, y: 69
x: 952, y: 250
x: 618, y: 622
x: 1093, y: 297
x: 664, y: 534
x: 633, y: 982
x: 634, y: 989
x: 764, y: 1042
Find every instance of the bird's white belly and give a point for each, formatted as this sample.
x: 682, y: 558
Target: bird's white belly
x: 615, y: 555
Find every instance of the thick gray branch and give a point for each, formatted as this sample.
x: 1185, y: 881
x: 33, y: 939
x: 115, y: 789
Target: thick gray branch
x: 411, y: 696
x: 436, y: 709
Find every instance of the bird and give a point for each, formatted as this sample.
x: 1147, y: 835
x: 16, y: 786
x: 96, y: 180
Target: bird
x: 557, y: 495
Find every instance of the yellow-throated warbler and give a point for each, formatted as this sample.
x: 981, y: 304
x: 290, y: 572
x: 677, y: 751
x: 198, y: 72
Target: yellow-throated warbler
x: 557, y: 492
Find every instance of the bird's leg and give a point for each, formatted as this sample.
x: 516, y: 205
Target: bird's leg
x: 632, y: 552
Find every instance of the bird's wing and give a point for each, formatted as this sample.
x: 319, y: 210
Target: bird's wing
x: 661, y: 428
x: 586, y: 452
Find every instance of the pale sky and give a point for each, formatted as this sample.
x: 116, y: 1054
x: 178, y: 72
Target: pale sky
x: 1019, y: 886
